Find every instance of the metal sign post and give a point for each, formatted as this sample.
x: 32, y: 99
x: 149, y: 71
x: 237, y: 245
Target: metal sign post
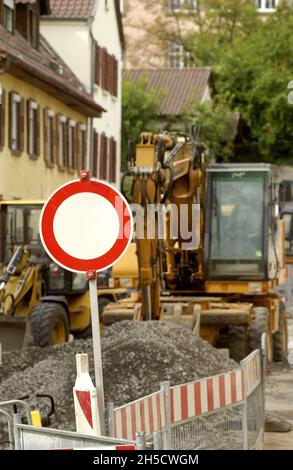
x: 85, y: 227
x: 92, y: 278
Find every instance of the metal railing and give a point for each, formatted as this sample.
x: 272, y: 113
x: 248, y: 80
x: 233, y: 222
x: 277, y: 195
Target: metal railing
x: 224, y: 412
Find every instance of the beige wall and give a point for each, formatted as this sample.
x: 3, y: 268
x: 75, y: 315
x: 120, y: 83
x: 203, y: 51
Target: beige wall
x: 20, y: 176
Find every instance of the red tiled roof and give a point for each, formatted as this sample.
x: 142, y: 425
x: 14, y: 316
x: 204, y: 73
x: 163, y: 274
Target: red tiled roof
x: 72, y: 8
x: 82, y: 9
x: 45, y: 69
x: 179, y: 87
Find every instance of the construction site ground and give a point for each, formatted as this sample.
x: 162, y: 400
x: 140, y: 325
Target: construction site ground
x: 279, y: 398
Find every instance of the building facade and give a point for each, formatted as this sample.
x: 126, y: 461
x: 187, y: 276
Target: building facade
x: 143, y: 18
x: 88, y: 35
x: 44, y: 109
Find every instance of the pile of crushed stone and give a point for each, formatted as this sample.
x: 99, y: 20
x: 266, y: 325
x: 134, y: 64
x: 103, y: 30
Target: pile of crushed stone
x: 137, y: 356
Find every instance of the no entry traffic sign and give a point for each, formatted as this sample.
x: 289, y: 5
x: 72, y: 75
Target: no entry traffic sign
x: 86, y: 226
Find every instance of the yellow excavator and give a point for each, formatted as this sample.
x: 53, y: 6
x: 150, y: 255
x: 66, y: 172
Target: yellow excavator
x: 226, y: 264
x: 40, y: 303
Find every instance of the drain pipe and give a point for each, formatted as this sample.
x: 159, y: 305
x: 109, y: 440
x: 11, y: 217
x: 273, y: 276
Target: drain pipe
x: 92, y: 86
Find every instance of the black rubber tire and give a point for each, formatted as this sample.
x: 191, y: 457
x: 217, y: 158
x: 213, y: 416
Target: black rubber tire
x: 261, y: 324
x: 42, y: 322
x: 103, y: 302
x: 280, y: 338
x: 87, y: 333
x: 238, y: 342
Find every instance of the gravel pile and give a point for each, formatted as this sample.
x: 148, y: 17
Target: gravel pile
x: 136, y: 358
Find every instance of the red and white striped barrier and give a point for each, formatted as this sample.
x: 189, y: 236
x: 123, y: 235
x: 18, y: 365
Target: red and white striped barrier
x: 206, y: 395
x: 252, y: 372
x: 85, y: 400
x: 145, y: 415
x: 187, y: 401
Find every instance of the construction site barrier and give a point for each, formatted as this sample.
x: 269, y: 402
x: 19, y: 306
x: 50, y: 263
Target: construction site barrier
x: 85, y: 399
x: 225, y: 411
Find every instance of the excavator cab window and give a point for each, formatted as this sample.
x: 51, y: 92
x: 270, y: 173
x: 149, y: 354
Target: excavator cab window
x: 287, y: 216
x: 236, y: 224
x: 20, y: 226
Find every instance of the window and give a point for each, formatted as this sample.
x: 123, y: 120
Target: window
x: 267, y: 6
x: 49, y: 137
x: 81, y: 141
x: 61, y: 146
x: 33, y: 27
x: 178, y: 59
x: 71, y: 145
x: 106, y: 71
x: 103, y: 157
x: 236, y: 245
x: 16, y: 123
x: 112, y: 160
x: 96, y: 154
x: 8, y: 15
x: 33, y: 129
x: 182, y: 5
x: 2, y: 117
x: 27, y: 22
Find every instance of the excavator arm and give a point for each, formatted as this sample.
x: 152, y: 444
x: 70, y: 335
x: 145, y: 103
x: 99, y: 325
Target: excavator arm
x: 165, y: 169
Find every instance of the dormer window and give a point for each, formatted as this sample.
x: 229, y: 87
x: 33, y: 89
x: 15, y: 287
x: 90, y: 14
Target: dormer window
x: 27, y: 22
x: 7, y: 14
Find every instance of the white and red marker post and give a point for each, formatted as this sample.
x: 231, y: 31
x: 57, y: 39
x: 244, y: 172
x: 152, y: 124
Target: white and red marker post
x: 85, y: 227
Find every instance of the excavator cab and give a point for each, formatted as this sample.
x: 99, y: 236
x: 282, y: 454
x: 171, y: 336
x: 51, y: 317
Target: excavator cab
x: 242, y: 229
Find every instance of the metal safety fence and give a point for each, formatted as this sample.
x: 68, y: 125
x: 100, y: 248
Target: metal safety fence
x: 223, y: 412
x: 220, y: 412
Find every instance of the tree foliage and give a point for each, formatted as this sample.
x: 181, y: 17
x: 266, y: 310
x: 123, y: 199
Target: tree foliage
x: 140, y: 106
x: 252, y: 64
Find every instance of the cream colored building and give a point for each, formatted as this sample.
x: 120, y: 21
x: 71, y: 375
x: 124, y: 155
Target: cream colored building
x: 88, y: 35
x: 44, y: 109
x: 145, y: 50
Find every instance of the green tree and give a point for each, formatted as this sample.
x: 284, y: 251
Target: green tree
x: 256, y: 72
x: 140, y: 107
x: 218, y: 126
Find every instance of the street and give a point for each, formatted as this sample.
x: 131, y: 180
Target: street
x: 279, y: 399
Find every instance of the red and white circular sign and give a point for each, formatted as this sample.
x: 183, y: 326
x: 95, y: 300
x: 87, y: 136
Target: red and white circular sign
x: 86, y: 226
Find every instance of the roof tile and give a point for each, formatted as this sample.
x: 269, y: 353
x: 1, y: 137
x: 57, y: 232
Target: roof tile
x: 179, y: 87
x: 72, y: 8
x: 44, y: 64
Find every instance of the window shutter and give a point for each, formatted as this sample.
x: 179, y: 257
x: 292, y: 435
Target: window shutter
x: 46, y: 136
x: 78, y: 147
x: 112, y: 161
x: 58, y: 121
x: 2, y: 119
x: 10, y: 120
x: 65, y: 144
x: 21, y: 125
x: 28, y: 126
x: 104, y: 68
x: 37, y: 132
x: 102, y: 156
x: 115, y: 77
x: 98, y: 65
x: 109, y: 73
x: 96, y: 154
x: 84, y: 148
x: 75, y: 148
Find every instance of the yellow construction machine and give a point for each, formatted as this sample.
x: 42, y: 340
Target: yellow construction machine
x: 229, y: 260
x: 40, y: 303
